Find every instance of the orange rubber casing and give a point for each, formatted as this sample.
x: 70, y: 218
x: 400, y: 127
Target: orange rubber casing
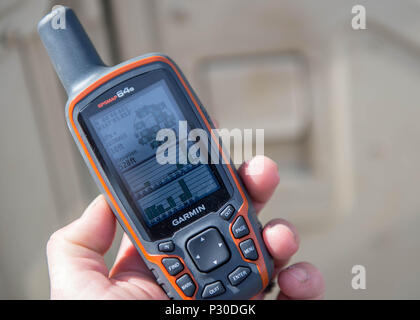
x: 119, y: 212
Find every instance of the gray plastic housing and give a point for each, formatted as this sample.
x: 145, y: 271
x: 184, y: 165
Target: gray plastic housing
x: 79, y: 67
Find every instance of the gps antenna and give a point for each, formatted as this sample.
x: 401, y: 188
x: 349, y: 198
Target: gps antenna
x: 72, y: 53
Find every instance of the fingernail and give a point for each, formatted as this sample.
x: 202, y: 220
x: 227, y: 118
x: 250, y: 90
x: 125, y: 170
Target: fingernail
x: 277, y: 228
x: 255, y: 166
x: 298, y: 273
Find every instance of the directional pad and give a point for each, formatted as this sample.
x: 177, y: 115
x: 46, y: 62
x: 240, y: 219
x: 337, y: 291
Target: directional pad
x: 208, y: 250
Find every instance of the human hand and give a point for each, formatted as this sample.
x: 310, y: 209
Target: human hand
x: 76, y: 252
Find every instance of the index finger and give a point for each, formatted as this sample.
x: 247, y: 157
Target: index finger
x: 262, y: 182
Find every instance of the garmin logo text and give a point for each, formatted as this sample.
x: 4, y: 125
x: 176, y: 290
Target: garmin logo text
x: 189, y: 215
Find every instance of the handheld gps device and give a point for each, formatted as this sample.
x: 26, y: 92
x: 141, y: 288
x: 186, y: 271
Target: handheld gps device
x: 192, y: 223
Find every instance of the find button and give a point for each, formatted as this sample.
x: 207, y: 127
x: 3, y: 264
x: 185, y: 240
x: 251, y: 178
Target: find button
x: 173, y: 265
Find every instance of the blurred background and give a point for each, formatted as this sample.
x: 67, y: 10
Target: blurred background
x: 340, y: 109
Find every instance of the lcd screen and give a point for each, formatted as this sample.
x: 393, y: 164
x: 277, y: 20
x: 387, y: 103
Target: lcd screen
x: 127, y: 131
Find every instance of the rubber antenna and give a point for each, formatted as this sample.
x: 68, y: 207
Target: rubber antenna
x: 72, y: 53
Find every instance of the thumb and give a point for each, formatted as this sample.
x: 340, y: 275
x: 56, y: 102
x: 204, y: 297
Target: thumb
x: 79, y: 247
x: 94, y: 230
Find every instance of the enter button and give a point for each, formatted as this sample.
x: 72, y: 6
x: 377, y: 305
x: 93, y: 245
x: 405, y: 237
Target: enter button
x: 239, y: 275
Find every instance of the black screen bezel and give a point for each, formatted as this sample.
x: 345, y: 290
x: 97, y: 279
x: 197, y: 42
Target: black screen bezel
x: 165, y: 228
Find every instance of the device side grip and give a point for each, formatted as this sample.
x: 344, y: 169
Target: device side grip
x: 258, y: 228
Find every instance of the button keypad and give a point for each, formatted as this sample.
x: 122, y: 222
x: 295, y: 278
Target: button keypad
x: 239, y: 275
x: 186, y: 284
x: 239, y: 228
x: 227, y: 212
x: 213, y: 290
x: 248, y: 249
x: 208, y: 250
x: 173, y: 266
x: 167, y: 246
